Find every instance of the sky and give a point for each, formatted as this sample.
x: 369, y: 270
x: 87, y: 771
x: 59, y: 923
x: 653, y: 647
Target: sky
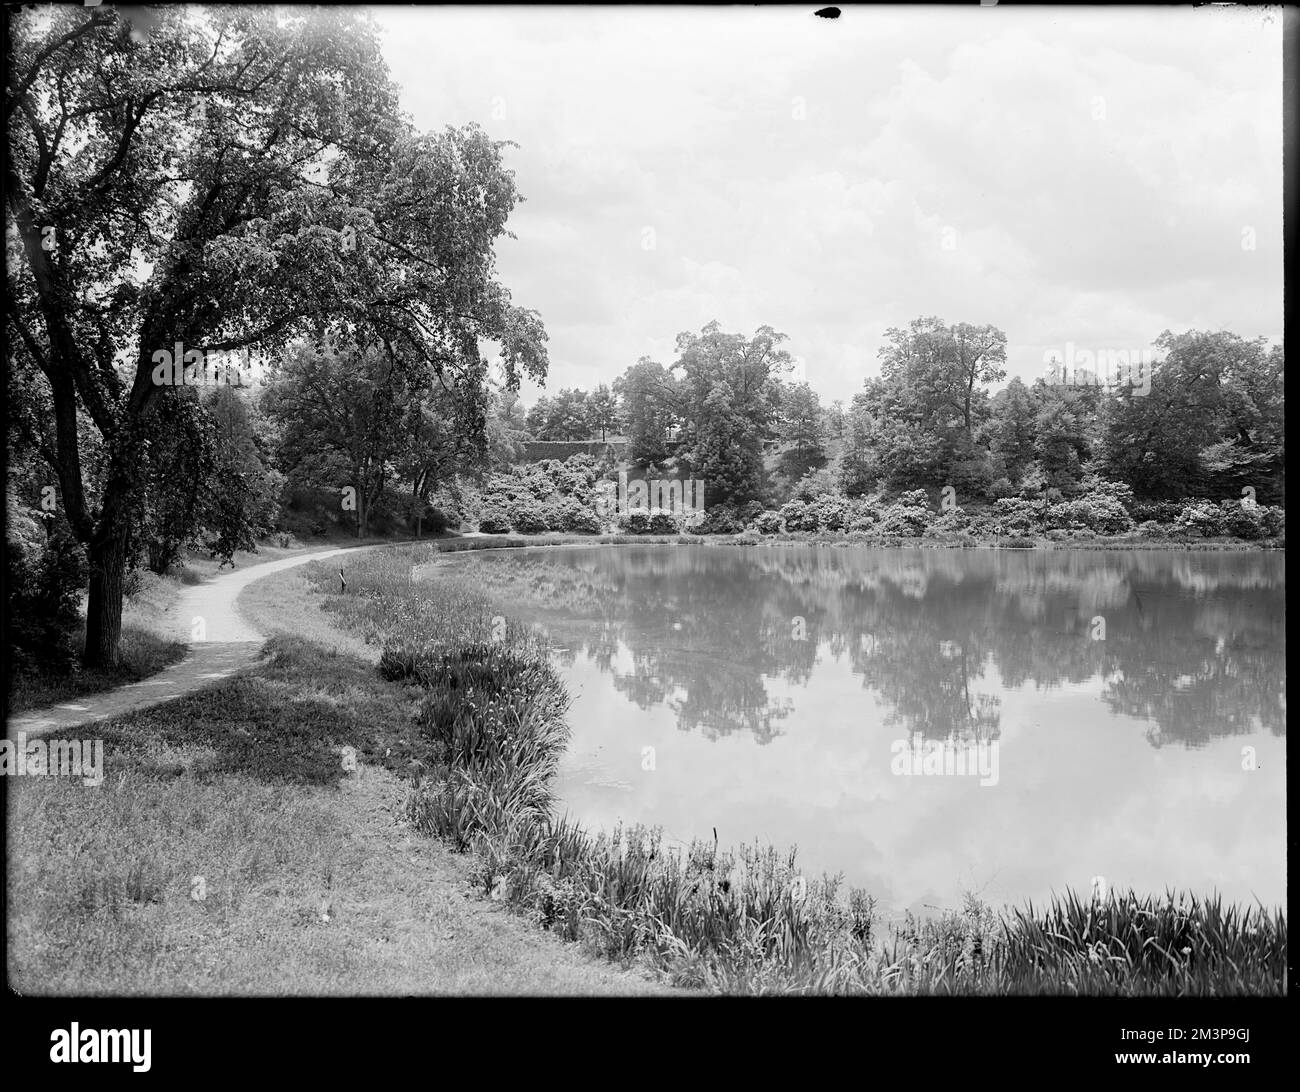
x: 1084, y: 177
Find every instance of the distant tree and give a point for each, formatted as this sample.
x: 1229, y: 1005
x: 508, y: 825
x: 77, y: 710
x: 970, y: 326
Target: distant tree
x: 1010, y: 430
x: 930, y: 401
x: 602, y: 412
x: 835, y: 419
x: 1210, y: 423
x: 729, y: 396
x: 1064, y: 427
x: 564, y: 417
x: 859, y: 467
x: 342, y: 412
x: 801, y: 427
x: 507, y: 429
x: 648, y: 393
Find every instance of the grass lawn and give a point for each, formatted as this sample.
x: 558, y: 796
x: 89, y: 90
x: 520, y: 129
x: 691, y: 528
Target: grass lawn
x: 228, y: 851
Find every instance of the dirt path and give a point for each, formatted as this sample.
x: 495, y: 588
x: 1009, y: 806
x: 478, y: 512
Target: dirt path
x: 221, y: 642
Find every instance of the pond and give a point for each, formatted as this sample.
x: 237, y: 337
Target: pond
x: 928, y: 722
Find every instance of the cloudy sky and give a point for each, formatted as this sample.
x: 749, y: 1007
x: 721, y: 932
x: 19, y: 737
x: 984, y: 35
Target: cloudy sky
x: 1092, y: 176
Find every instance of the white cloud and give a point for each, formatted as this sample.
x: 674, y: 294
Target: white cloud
x: 1096, y: 169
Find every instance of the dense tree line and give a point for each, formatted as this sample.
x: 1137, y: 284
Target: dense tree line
x: 1205, y: 420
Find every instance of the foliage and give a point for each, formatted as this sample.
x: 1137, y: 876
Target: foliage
x: 796, y: 516
x: 1018, y: 516
x: 41, y: 599
x: 335, y: 217
x: 651, y: 521
x: 493, y: 521
x: 1101, y: 513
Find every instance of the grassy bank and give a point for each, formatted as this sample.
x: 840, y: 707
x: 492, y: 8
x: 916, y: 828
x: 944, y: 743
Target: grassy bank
x: 231, y: 850
x: 490, y: 713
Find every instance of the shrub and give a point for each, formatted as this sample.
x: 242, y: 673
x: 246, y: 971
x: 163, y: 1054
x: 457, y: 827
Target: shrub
x: 555, y: 513
x: 528, y: 517
x: 1157, y: 511
x: 907, y: 517
x: 952, y: 522
x: 576, y: 477
x: 655, y: 521
x: 664, y: 522
x: 1120, y: 492
x: 768, y: 523
x: 635, y: 522
x: 864, y: 515
x: 1097, y: 512
x: 795, y: 516
x: 829, y: 512
x: 1202, y: 517
x: 722, y: 520
x: 579, y: 519
x: 1017, y: 516
x: 1253, y: 521
x: 493, y: 521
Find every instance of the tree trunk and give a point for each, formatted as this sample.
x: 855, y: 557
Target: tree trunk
x: 107, y: 562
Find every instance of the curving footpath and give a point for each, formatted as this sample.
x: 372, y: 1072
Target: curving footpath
x: 228, y: 644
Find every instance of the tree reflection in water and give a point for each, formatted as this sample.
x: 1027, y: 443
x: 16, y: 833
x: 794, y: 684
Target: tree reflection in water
x: 1194, y: 642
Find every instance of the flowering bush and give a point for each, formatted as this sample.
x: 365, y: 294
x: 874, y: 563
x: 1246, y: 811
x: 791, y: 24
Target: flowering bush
x: 635, y: 522
x: 655, y: 521
x: 528, y: 517
x: 578, y: 518
x: 1097, y: 512
x: 1202, y: 517
x: 908, y: 516
x: 493, y: 521
x: 952, y: 522
x: 768, y: 523
x: 1157, y: 511
x: 1252, y: 521
x: 829, y: 512
x: 715, y: 521
x: 1017, y: 516
x: 1120, y: 492
x: 664, y: 522
x: 796, y: 516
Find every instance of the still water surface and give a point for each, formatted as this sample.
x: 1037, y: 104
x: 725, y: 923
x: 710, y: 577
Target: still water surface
x: 1123, y: 695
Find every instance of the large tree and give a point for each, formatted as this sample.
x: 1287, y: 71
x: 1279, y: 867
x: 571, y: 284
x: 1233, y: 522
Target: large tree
x: 648, y: 392
x: 227, y: 177
x: 1210, y: 423
x: 729, y: 394
x: 930, y: 401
